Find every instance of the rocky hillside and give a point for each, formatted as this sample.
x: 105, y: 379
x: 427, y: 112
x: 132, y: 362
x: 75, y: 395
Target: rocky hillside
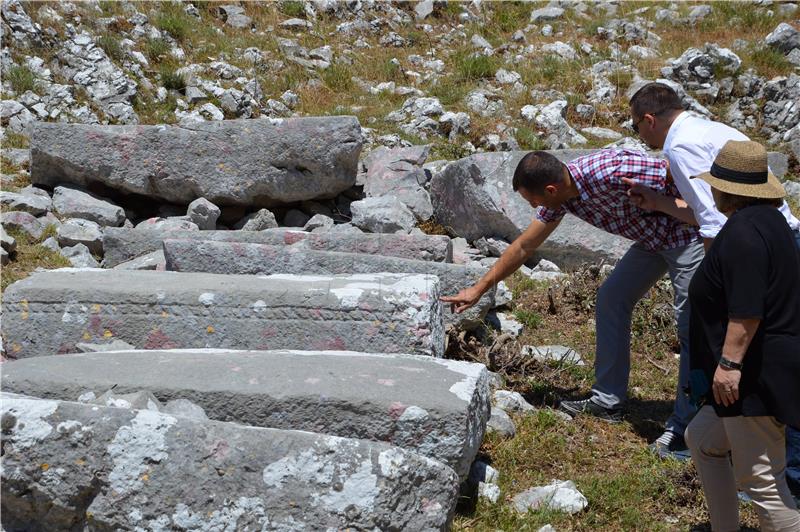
x: 464, y: 76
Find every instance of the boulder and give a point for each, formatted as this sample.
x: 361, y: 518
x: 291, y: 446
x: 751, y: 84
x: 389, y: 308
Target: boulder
x: 435, y: 407
x: 165, y: 472
x: 233, y: 162
x: 398, y: 172
x: 73, y: 203
x: 473, y: 197
x: 203, y: 213
x: 79, y: 231
x: 384, y: 214
x: 122, y: 244
x: 30, y: 203
x: 51, y: 311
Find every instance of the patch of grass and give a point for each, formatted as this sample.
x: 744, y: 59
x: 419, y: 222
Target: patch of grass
x: 151, y: 111
x: 111, y: 46
x: 174, y: 20
x: 22, y: 79
x: 529, y: 140
x: 171, y: 80
x: 293, y: 8
x: 29, y: 256
x: 448, y: 151
x: 156, y: 49
x: 511, y: 16
x: 474, y: 67
x: 338, y: 77
x: 528, y: 318
x: 15, y: 140
x: 769, y: 62
x: 449, y: 90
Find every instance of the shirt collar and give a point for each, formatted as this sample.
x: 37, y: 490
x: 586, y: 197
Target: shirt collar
x: 673, y: 129
x: 577, y: 177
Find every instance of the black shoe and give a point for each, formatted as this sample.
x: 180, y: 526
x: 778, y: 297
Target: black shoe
x: 671, y: 445
x: 589, y: 407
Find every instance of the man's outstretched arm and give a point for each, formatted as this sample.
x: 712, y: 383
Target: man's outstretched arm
x: 517, y: 253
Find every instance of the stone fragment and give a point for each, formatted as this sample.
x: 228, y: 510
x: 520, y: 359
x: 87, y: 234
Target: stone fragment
x: 261, y: 259
x: 30, y: 203
x: 511, y: 402
x: 265, y: 162
x: 122, y: 244
x: 71, y: 202
x: 22, y: 221
x: 561, y: 496
x: 79, y: 231
x: 436, y: 407
x: 79, y: 256
x: 204, y: 214
x: 170, y: 472
x: 384, y: 214
x: 257, y: 221
x: 501, y: 424
x: 51, y: 311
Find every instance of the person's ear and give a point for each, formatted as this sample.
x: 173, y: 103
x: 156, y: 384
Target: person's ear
x: 551, y: 190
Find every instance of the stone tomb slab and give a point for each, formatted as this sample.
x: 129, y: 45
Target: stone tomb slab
x: 436, y: 407
x: 50, y: 312
x: 75, y: 466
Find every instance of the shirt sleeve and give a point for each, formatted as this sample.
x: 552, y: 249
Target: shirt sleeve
x: 685, y: 163
x: 546, y: 215
x: 744, y: 263
x: 648, y: 171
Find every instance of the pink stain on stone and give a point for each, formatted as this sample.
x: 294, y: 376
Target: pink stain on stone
x: 396, y: 409
x: 158, y: 340
x: 290, y: 238
x: 386, y: 382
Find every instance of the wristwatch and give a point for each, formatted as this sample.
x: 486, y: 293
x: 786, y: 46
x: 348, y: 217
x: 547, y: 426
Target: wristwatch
x: 729, y: 364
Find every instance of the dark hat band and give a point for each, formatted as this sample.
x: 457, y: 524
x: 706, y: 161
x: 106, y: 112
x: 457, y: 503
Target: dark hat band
x: 736, y: 176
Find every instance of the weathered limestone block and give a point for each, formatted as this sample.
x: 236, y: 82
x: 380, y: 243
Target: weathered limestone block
x: 228, y: 162
x: 436, y: 407
x: 51, y: 311
x: 238, y: 258
x: 122, y: 244
x: 73, y: 466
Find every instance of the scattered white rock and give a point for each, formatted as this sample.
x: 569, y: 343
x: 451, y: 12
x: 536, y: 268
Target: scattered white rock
x: 560, y: 495
x: 554, y: 353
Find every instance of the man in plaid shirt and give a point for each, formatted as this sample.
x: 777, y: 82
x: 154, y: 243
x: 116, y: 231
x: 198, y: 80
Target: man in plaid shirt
x: 595, y: 189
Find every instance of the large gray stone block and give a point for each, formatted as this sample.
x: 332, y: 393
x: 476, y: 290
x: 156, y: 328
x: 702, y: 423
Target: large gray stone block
x: 259, y: 259
x: 74, y: 466
x: 433, y: 406
x: 229, y: 162
x: 121, y: 244
x: 474, y: 198
x: 50, y: 312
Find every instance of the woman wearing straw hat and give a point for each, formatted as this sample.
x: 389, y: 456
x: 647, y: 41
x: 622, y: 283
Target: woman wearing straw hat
x: 745, y: 345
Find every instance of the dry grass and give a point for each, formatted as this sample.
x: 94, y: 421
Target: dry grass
x: 627, y: 487
x: 29, y: 256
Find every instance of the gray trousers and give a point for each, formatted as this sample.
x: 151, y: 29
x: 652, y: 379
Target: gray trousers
x: 634, y: 275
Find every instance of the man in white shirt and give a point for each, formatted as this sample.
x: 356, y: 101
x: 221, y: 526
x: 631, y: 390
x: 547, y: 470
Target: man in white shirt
x: 691, y: 144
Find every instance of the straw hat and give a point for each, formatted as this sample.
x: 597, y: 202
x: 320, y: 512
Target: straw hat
x: 741, y: 169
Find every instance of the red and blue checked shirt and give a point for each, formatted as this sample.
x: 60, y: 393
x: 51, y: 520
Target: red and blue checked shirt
x: 603, y: 199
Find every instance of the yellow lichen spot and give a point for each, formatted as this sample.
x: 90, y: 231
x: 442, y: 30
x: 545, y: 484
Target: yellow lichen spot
x: 45, y: 467
x: 89, y: 515
x: 95, y: 308
x: 16, y: 347
x: 210, y: 329
x: 145, y: 477
x: 221, y: 166
x: 164, y: 314
x: 107, y: 334
x: 80, y: 461
x: 86, y: 335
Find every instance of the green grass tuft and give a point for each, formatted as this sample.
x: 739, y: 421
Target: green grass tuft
x: 22, y: 79
x: 156, y: 49
x: 111, y: 46
x: 171, y: 80
x: 528, y: 318
x: 174, y: 20
x: 338, y: 77
x: 471, y: 67
x: 293, y: 8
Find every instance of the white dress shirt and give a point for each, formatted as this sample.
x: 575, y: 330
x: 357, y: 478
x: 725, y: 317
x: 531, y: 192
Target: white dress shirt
x: 691, y: 146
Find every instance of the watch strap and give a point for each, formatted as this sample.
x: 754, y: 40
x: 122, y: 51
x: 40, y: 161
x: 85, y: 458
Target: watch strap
x: 730, y: 364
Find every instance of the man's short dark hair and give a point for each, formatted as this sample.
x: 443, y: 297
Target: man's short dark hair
x: 655, y: 98
x: 537, y: 170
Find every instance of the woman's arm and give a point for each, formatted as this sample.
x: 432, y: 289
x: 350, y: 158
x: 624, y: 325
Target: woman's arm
x: 737, y: 339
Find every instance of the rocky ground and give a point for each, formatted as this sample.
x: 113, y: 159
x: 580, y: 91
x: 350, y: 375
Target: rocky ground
x: 371, y: 126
